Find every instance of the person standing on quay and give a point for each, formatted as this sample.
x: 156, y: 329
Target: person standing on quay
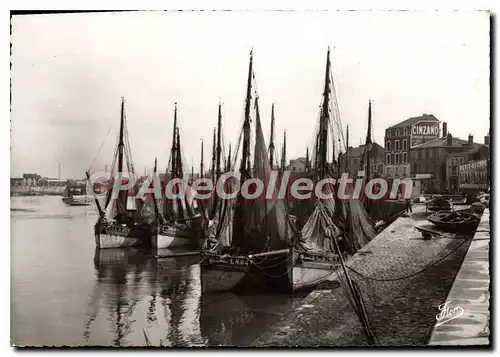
x: 408, y: 205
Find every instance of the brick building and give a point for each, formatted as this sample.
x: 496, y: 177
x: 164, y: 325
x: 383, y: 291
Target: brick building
x: 430, y: 159
x: 31, y: 180
x: 400, y: 138
x: 377, y: 159
x: 454, y: 160
x: 297, y: 165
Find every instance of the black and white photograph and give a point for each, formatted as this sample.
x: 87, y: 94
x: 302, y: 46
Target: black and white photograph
x: 250, y: 178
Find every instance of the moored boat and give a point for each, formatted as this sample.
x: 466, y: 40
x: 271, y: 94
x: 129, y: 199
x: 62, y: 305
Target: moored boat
x: 178, y: 223
x: 118, y: 226
x: 458, y: 221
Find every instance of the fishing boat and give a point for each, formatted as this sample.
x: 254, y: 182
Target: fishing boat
x: 303, y: 259
x: 458, y: 221
x: 179, y: 225
x: 120, y: 223
x: 225, y: 260
x: 75, y: 195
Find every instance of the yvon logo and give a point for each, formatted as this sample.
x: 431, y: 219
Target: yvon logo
x: 448, y: 313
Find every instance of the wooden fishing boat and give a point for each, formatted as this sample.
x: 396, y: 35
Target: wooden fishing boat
x: 179, y: 234
x: 458, y: 221
x: 179, y: 225
x: 223, y: 267
x: 118, y: 226
x: 313, y: 254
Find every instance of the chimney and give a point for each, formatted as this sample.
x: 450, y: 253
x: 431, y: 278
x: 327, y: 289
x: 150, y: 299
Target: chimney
x: 445, y: 130
x: 487, y: 140
x: 471, y: 139
x: 449, y: 139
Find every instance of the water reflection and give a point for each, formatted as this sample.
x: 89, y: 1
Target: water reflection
x: 66, y: 292
x: 176, y: 312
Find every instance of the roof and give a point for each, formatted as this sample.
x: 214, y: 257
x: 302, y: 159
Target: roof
x: 414, y: 120
x: 358, y: 150
x: 443, y: 142
x: 31, y: 176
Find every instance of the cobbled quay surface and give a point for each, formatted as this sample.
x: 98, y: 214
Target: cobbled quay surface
x: 401, y: 312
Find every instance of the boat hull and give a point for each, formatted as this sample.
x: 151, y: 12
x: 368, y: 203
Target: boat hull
x: 291, y: 274
x: 309, y: 274
x: 119, y: 236
x: 218, y: 277
x: 104, y: 241
x: 468, y: 222
x: 174, y: 236
x: 164, y: 241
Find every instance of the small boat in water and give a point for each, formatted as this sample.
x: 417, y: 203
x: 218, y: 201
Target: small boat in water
x: 79, y: 201
x: 458, y: 221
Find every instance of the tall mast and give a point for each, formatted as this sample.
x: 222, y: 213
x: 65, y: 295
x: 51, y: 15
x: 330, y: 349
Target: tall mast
x: 246, y: 125
x: 219, y: 149
x: 122, y: 196
x: 369, y: 140
x: 347, y: 152
x: 120, y: 142
x: 202, y: 174
x: 179, y: 157
x: 174, y: 144
x: 307, y: 159
x: 179, y: 171
x: 157, y: 214
x: 271, y: 141
x: 228, y: 168
x: 283, y: 157
x: 325, y: 114
x: 213, y: 157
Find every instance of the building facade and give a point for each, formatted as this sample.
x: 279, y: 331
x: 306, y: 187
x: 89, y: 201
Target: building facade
x: 430, y: 160
x: 297, y: 165
x: 455, y: 160
x: 402, y: 137
x: 355, y: 156
x: 31, y: 180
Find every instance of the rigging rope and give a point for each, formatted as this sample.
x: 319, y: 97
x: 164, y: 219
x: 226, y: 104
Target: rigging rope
x: 100, y: 148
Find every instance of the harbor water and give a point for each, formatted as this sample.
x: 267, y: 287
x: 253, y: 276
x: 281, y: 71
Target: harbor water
x: 65, y: 292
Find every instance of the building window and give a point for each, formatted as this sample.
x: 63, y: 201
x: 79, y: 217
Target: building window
x: 388, y: 159
x: 405, y: 144
x: 396, y: 158
x: 404, y: 170
x: 397, y: 132
x: 404, y: 158
x: 461, y: 160
x: 453, y: 162
x: 388, y: 146
x: 396, y: 145
x: 397, y: 170
x: 405, y: 131
x: 431, y: 153
x: 388, y: 133
x: 388, y: 171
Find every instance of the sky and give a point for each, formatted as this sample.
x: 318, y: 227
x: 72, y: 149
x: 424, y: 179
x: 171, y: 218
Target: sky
x: 69, y: 72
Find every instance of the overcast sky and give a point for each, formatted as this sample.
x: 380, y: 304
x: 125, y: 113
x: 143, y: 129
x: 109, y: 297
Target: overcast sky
x: 69, y: 72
